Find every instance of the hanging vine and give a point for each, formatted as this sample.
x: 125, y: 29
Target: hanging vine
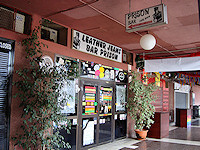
x: 38, y: 90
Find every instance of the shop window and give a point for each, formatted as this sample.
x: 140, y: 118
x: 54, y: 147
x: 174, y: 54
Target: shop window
x: 121, y: 98
x: 71, y: 137
x: 53, y: 32
x: 15, y: 20
x: 70, y: 90
x: 120, y: 109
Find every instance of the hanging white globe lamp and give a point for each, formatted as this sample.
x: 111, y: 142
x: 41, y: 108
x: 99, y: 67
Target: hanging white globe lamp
x: 147, y: 42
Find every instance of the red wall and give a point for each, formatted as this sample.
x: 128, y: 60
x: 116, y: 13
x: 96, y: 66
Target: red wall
x: 196, y: 90
x: 53, y: 48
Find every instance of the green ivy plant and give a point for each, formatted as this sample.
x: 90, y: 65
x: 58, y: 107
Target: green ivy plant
x: 140, y: 102
x: 38, y: 90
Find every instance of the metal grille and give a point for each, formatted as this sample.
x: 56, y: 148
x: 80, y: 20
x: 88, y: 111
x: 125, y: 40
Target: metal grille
x: 4, y: 57
x: 6, y: 18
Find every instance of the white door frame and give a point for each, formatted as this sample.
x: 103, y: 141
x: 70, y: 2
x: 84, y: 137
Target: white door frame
x: 178, y: 88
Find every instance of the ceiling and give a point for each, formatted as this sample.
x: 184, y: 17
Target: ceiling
x: 105, y: 20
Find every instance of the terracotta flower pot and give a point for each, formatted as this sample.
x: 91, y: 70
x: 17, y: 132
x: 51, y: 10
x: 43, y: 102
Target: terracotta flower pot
x: 141, y: 135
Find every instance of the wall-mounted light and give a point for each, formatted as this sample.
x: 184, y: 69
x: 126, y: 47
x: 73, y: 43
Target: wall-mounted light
x: 147, y: 42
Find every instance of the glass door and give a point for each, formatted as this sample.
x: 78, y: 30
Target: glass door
x: 120, y: 111
x: 96, y: 116
x: 89, y: 100
x: 105, y: 113
x: 89, y: 114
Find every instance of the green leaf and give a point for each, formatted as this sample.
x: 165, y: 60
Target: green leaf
x: 38, y: 92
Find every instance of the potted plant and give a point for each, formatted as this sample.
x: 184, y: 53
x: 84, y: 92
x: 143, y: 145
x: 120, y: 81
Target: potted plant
x: 140, y: 105
x: 38, y: 89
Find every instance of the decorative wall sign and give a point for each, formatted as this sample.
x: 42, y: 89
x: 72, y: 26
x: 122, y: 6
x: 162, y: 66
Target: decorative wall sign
x: 91, y: 45
x: 121, y: 76
x: 47, y: 62
x: 146, y: 18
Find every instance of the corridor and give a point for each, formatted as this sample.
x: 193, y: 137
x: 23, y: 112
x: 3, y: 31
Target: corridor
x: 178, y: 139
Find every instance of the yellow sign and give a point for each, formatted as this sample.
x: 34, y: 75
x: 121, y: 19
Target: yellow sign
x: 144, y: 80
x: 157, y: 78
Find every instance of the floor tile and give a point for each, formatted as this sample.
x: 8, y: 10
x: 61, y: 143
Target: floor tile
x: 196, y: 123
x: 192, y: 134
x: 157, y: 145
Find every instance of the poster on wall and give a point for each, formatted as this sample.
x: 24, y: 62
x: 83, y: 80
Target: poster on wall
x: 105, y: 100
x: 120, y: 97
x: 89, y: 103
x: 67, y: 98
x: 91, y: 45
x: 97, y: 71
x: 88, y: 132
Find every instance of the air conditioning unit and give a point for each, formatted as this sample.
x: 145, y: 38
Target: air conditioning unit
x: 7, y: 20
x: 19, y: 23
x: 49, y: 34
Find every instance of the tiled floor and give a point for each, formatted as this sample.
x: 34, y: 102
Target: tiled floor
x: 157, y: 145
x: 178, y: 139
x: 196, y: 122
x: 191, y: 134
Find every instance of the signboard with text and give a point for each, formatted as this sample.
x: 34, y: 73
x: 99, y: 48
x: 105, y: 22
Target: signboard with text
x: 146, y: 18
x: 91, y: 45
